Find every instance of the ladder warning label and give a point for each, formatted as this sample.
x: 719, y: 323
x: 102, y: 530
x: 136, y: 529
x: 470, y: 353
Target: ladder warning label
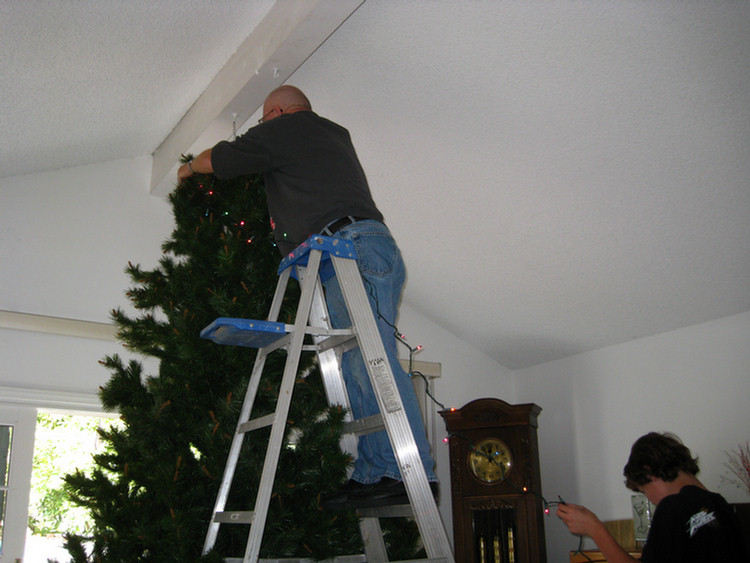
x: 383, y: 381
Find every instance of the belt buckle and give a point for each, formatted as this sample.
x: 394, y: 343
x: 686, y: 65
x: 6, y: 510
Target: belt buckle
x: 327, y: 229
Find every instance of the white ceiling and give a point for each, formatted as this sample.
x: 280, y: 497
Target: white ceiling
x: 561, y: 176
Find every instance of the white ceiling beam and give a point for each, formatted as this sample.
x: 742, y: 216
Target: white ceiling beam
x: 289, y: 33
x: 57, y: 325
x: 105, y: 331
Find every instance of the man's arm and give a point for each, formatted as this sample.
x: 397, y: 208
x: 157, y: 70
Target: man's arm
x: 201, y: 164
x: 582, y: 522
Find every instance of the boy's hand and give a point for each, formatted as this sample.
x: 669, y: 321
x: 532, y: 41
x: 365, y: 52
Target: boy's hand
x: 579, y: 519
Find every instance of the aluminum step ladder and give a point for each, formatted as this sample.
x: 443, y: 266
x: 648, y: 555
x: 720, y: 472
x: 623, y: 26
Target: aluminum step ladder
x: 312, y: 263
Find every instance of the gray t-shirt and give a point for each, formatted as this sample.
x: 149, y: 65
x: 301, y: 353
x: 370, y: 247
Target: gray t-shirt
x: 311, y: 171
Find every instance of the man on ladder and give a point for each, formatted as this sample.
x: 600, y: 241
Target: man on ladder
x: 315, y: 184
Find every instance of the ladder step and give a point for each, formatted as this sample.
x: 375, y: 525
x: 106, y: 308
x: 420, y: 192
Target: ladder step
x: 340, y: 559
x: 236, y: 517
x: 261, y: 334
x: 260, y: 422
x: 335, y: 338
x: 365, y: 425
x: 361, y: 558
x: 390, y: 511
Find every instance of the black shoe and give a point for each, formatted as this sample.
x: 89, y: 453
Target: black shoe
x: 385, y: 492
x: 340, y: 499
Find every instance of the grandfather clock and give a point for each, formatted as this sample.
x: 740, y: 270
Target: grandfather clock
x: 498, y: 512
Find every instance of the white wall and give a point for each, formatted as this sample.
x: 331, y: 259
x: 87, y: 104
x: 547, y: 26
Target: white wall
x: 466, y: 374
x: 694, y: 382
x: 65, y: 239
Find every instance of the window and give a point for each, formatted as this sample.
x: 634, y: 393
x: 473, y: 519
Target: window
x: 63, y: 443
x: 16, y: 454
x: 6, y: 435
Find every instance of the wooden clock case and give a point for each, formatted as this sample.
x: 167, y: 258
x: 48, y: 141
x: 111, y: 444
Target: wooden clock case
x: 501, y: 522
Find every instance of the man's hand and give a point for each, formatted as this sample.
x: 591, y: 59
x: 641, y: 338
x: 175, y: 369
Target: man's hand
x: 183, y: 172
x: 201, y: 164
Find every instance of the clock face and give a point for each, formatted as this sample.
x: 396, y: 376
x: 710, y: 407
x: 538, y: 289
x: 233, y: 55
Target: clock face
x: 490, y: 460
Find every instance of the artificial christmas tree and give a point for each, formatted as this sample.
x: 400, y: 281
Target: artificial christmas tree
x: 151, y: 495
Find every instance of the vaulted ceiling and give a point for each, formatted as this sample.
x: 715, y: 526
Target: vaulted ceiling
x: 561, y: 176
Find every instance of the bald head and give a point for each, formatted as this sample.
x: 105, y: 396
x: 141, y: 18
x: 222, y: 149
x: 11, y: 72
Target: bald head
x: 285, y: 99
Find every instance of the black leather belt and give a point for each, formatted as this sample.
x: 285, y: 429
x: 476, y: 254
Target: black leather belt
x: 338, y: 224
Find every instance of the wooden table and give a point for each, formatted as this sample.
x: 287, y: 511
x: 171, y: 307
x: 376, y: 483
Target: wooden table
x: 596, y: 556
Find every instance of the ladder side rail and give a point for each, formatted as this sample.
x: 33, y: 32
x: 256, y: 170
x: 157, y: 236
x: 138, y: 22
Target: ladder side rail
x: 329, y: 361
x: 372, y: 538
x: 336, y: 393
x: 278, y: 296
x: 235, y: 449
x: 276, y: 438
x: 244, y: 415
x: 232, y: 460
x: 389, y: 400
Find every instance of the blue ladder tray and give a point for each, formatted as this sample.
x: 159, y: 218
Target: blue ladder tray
x: 244, y: 332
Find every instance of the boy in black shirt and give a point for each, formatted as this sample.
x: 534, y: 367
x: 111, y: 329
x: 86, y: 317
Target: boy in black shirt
x: 691, y: 524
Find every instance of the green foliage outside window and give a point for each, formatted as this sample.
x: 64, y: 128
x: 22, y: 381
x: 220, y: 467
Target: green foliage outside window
x: 62, y: 444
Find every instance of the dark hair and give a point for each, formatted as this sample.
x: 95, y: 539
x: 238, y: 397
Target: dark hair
x: 657, y: 455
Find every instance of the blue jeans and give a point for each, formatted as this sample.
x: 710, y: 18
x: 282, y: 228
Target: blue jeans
x: 382, y: 268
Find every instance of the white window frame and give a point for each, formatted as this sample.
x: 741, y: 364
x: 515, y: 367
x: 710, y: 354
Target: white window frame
x: 23, y: 421
x: 431, y: 372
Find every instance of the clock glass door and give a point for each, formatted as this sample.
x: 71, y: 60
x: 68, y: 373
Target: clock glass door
x: 494, y: 535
